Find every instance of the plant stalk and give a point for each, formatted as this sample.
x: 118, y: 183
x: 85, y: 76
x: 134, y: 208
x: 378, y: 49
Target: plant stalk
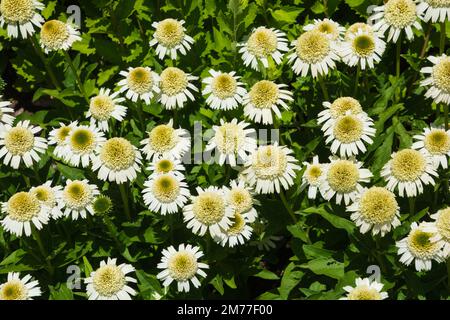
x: 37, y: 49
x: 77, y: 76
x: 287, y: 206
x: 124, y: 196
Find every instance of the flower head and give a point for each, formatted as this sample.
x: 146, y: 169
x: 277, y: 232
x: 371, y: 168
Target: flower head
x: 440, y: 228
x: 78, y: 197
x: 17, y: 288
x: 6, y: 112
x: 436, y: 143
x: 365, y: 290
x: 57, y: 35
x: 83, y: 143
x: 224, y: 91
x: 439, y: 79
x: 175, y: 87
x: 58, y: 137
x: 21, y: 15
x: 49, y: 197
x: 105, y: 106
x: 312, y: 177
x: 139, y: 83
x: 328, y: 27
x: 435, y: 10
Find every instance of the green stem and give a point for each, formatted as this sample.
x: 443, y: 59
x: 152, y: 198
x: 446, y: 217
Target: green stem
x: 287, y: 206
x: 44, y: 253
x: 358, y: 73
x: 37, y: 49
x: 399, y: 51
x: 77, y: 76
x: 442, y: 39
x: 124, y: 196
x: 446, y: 116
x: 112, y: 232
x: 412, y: 204
x: 379, y: 255
x: 324, y: 88
x: 140, y: 107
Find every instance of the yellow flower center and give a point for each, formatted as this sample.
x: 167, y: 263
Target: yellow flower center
x: 441, y: 74
x: 238, y: 224
x: 182, y: 266
x: 229, y: 138
x: 53, y: 34
x: 439, y: 3
x: 328, y: 28
x: 363, y: 45
x: 240, y: 199
x: 224, y: 86
x: 82, y: 140
x: 108, y: 280
x: 363, y: 292
x: 166, y: 188
x: 17, y: 11
x: 162, y: 138
x: 408, y: 165
x: 14, y: 290
x: 420, y: 245
x: 140, y: 80
x: 437, y: 142
x: 312, y: 46
x: 19, y: 140
x: 264, y: 94
x: 400, y: 13
x: 271, y: 163
x: 164, y: 166
x: 342, y: 105
x: 118, y: 154
x: 378, y: 205
x: 355, y: 27
x: 262, y: 42
x: 173, y: 81
x: 77, y: 194
x: 348, y: 129
x: 313, y: 173
x: 23, y: 206
x: 62, y: 133
x: 209, y: 208
x: 101, y: 107
x: 169, y: 33
x: 45, y: 194
x: 343, y: 176
x: 443, y: 224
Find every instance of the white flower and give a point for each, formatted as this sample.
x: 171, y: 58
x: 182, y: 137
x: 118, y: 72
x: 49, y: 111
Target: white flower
x: 57, y: 35
x: 139, y: 83
x: 110, y: 282
x: 21, y: 15
x: 163, y: 165
x: 240, y: 198
x: 19, y: 289
x: 312, y: 177
x: 182, y: 266
x: 208, y: 211
x: 440, y: 228
x: 83, y: 142
x: 165, y: 193
x: 19, y: 143
x: 418, y: 247
x: 327, y: 26
x: 262, y: 44
x: 270, y: 168
x: 354, y: 28
x: 435, y: 142
x: 59, y: 136
x: 315, y: 51
x: 104, y: 106
x: 237, y: 233
x: 409, y: 170
x: 340, y: 107
x: 170, y: 38
x: 224, y: 91
x: 117, y: 160
x: 175, y: 85
x: 435, y: 10
x: 343, y: 178
x: 164, y: 140
x: 396, y: 16
x: 438, y: 81
x: 365, y: 290
x: 264, y: 97
x: 23, y: 210
x: 348, y: 134
x: 78, y: 197
x: 50, y: 197
x: 233, y: 141
x: 362, y: 48
x: 6, y: 112
x: 377, y: 209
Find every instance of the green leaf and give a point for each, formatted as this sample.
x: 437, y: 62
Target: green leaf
x: 286, y: 14
x: 87, y: 267
x: 326, y: 266
x: 266, y: 274
x: 217, y: 282
x: 336, y: 221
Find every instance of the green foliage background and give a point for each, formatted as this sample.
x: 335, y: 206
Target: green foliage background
x: 319, y: 254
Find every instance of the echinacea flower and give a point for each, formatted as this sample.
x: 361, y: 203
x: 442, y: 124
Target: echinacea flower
x: 312, y: 177
x: 16, y: 288
x: 105, y: 106
x: 22, y: 210
x: 233, y: 141
x: 163, y: 165
x: 175, y: 85
x: 58, y: 136
x: 57, y: 35
x: 266, y: 97
x: 375, y: 208
x: 237, y: 233
x: 139, y: 83
x: 170, y: 37
x: 338, y: 108
x: 83, y: 142
x: 408, y: 170
x: 438, y: 81
x: 117, y: 160
x: 78, y: 197
x: 19, y: 143
x: 440, y: 228
x: 182, y: 266
x: 271, y: 168
x: 50, y: 197
x: 419, y: 247
x: 327, y: 26
x: 241, y: 199
x: 436, y: 143
x: 435, y: 10
x: 365, y: 289
x: 262, y: 44
x: 354, y: 28
x: 6, y: 112
x: 224, y: 91
x: 315, y: 52
x: 21, y: 15
x: 110, y: 281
